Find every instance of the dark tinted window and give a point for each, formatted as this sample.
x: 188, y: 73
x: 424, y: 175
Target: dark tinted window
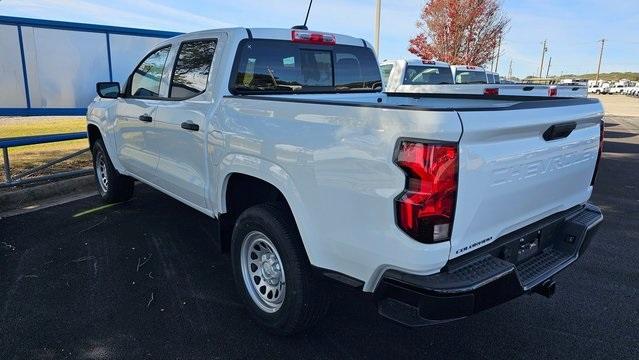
x: 427, y: 75
x: 272, y: 66
x: 192, y: 67
x: 148, y: 76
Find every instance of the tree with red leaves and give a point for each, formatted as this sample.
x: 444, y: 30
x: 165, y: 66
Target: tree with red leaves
x: 459, y: 31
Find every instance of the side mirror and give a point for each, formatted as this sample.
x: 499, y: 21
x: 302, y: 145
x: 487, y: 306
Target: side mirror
x: 108, y: 90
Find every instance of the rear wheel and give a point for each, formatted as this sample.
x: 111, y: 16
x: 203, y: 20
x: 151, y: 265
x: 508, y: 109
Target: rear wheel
x: 112, y: 186
x: 272, y: 273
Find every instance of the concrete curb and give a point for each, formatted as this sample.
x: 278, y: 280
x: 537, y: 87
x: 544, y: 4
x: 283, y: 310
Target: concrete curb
x: 22, y: 198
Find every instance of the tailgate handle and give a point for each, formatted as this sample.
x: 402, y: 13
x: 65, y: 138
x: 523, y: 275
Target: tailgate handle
x: 559, y: 131
x: 528, y: 88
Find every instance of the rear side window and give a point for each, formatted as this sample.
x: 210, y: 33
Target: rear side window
x: 386, y: 71
x: 192, y: 67
x: 146, y: 79
x: 470, y: 77
x: 428, y: 75
x: 277, y: 66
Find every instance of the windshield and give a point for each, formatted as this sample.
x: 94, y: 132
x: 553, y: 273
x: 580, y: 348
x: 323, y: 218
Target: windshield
x: 278, y: 66
x: 470, y: 77
x: 427, y: 75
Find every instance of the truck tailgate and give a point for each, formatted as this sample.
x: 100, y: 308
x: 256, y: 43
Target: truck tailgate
x: 510, y: 176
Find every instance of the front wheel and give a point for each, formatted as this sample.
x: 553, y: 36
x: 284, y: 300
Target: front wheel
x: 112, y: 186
x: 272, y: 272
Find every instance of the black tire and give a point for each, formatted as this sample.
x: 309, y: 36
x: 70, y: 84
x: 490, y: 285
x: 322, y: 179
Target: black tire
x: 305, y: 299
x: 118, y: 187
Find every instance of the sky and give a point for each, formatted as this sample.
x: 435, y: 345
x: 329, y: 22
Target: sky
x: 571, y: 27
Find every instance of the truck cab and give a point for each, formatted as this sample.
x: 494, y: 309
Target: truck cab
x: 416, y: 72
x: 467, y: 74
x: 492, y: 77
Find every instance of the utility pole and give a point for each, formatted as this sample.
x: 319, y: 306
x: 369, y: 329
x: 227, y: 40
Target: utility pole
x: 510, y: 70
x: 548, y: 70
x: 602, y: 41
x: 497, y: 60
x: 543, y: 53
x: 378, y: 14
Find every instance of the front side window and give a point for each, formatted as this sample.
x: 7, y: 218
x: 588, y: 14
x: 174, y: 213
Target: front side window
x: 428, y: 75
x: 147, y: 78
x: 192, y: 67
x: 276, y: 66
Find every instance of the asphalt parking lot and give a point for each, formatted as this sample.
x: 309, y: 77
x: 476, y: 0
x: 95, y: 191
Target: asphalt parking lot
x: 143, y: 279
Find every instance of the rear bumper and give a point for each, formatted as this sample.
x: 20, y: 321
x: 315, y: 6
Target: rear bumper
x: 494, y: 274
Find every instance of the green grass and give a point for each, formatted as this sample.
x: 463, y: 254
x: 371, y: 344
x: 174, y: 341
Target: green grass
x: 25, y: 157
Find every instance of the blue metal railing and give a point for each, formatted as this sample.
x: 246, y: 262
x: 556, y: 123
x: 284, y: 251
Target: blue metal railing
x: 40, y: 139
x: 20, y: 179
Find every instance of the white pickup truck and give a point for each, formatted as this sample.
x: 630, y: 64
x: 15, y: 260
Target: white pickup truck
x: 441, y: 206
x: 436, y: 77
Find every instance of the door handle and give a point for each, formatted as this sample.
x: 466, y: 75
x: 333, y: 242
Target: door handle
x: 145, y: 118
x: 189, y: 125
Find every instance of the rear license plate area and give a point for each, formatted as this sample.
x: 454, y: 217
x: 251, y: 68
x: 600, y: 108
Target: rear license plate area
x: 528, y: 245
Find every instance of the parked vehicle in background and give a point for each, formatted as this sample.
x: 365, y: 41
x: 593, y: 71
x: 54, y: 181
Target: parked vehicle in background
x: 436, y: 77
x: 416, y: 72
x: 492, y: 77
x: 442, y: 206
x: 467, y: 74
x: 616, y: 89
x: 599, y: 88
x: 627, y: 90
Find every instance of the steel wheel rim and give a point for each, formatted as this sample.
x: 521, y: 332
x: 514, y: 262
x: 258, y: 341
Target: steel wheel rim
x: 101, y: 172
x: 263, y: 272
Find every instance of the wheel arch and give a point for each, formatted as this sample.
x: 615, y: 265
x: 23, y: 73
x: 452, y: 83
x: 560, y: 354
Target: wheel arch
x: 93, y: 133
x: 272, y: 185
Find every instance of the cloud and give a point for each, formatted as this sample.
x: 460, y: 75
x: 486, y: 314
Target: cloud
x: 141, y: 13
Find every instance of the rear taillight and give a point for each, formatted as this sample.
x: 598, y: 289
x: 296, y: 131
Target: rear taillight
x: 552, y: 91
x: 601, y: 143
x: 491, y: 91
x: 310, y: 37
x: 426, y: 207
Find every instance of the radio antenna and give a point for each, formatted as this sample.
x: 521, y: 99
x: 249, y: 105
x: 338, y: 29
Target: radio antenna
x: 308, y: 11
